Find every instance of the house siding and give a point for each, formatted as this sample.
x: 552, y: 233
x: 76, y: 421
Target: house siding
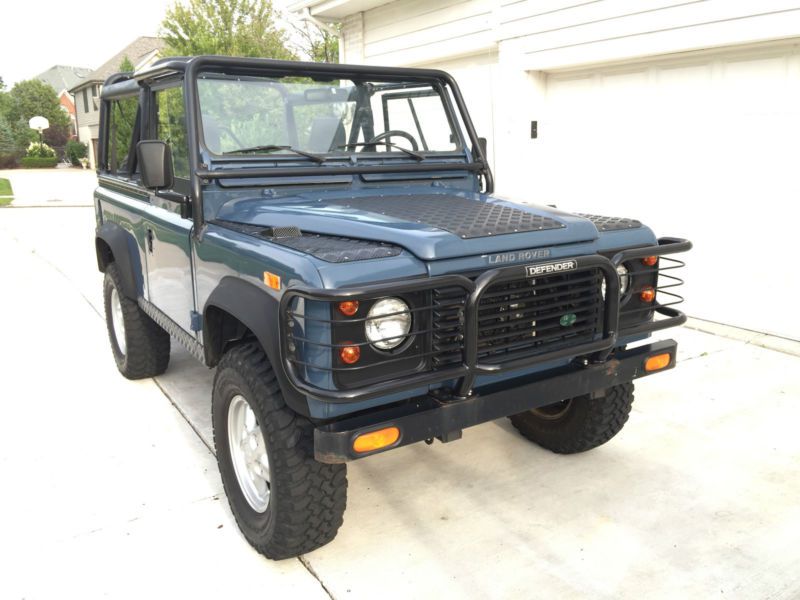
x: 559, y: 34
x: 88, y: 122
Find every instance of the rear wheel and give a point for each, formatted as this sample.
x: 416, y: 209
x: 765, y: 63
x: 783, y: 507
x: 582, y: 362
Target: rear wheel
x: 284, y: 501
x: 139, y: 345
x: 577, y: 424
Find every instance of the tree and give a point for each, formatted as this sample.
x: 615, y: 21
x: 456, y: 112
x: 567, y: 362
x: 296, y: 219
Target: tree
x: 314, y: 43
x: 7, y: 141
x: 126, y: 66
x: 33, y: 97
x: 227, y: 27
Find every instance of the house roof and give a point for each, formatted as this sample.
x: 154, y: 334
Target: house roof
x: 62, y: 77
x: 140, y: 52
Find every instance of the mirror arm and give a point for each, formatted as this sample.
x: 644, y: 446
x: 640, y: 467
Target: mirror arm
x: 180, y: 199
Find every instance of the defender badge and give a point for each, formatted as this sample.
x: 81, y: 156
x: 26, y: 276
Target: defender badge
x: 549, y: 268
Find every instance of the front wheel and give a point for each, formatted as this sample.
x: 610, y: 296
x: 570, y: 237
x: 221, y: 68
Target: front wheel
x: 284, y: 501
x: 577, y: 424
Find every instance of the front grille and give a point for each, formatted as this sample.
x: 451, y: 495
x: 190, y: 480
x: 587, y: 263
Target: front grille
x: 521, y: 318
x: 448, y: 326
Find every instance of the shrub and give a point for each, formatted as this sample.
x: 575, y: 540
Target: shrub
x: 40, y: 150
x: 75, y: 152
x: 8, y: 160
x: 38, y: 162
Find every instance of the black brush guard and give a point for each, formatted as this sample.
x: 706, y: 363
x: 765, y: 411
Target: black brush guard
x: 598, y: 365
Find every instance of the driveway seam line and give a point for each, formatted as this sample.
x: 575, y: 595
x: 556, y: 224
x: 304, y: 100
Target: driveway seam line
x: 304, y: 561
x: 183, y: 414
x: 57, y: 270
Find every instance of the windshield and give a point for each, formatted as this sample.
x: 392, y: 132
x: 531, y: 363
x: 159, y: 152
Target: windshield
x: 299, y: 116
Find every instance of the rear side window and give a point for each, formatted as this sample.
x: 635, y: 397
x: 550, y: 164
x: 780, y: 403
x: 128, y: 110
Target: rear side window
x: 121, y: 125
x: 171, y: 128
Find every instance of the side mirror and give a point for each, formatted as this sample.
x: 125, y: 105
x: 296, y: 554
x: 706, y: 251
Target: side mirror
x: 155, y: 162
x: 482, y: 144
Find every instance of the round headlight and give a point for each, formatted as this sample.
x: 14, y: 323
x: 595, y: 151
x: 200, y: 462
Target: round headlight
x: 387, y: 332
x: 624, y: 281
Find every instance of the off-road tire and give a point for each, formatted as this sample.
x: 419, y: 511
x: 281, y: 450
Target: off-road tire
x: 307, y: 498
x: 146, y: 343
x: 585, y: 424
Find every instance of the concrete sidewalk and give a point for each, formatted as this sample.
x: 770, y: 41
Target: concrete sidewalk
x: 112, y: 491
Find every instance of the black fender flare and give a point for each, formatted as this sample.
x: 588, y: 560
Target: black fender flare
x: 257, y: 310
x: 126, y: 255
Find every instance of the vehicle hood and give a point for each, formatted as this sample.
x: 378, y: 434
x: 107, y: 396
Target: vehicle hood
x: 430, y: 224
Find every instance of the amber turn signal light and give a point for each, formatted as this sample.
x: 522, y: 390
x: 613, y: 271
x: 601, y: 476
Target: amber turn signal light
x: 348, y: 308
x: 657, y: 362
x: 648, y: 294
x: 375, y: 440
x: 272, y: 280
x: 649, y: 261
x: 350, y: 354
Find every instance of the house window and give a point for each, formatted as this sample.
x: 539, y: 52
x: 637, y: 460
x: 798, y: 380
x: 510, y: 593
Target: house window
x: 94, y: 97
x: 85, y: 101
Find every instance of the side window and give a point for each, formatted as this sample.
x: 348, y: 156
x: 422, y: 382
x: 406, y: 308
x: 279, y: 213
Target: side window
x: 171, y: 127
x: 122, y: 121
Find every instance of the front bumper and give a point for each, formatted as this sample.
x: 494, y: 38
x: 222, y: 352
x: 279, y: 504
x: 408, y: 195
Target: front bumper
x: 427, y: 417
x: 470, y: 365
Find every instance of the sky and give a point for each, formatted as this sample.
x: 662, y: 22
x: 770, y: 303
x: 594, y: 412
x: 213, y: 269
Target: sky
x: 37, y: 34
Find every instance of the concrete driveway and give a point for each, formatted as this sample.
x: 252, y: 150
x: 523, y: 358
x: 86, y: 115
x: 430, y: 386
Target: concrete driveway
x: 111, y: 486
x: 51, y: 187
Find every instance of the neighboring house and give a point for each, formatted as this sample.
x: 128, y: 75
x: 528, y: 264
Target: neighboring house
x: 141, y: 52
x: 683, y: 114
x: 63, y: 78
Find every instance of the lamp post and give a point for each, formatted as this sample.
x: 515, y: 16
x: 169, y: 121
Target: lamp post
x: 40, y: 124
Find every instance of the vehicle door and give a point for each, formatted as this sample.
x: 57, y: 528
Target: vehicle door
x: 121, y: 199
x: 168, y: 233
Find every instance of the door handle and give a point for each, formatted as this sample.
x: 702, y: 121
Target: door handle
x: 149, y: 236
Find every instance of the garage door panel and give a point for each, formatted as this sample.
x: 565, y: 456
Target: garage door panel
x: 707, y: 149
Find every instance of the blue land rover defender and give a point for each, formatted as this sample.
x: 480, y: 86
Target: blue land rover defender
x: 326, y: 237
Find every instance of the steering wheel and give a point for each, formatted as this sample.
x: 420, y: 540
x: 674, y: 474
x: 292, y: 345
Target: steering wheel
x: 395, y: 132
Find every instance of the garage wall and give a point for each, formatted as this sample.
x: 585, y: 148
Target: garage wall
x: 555, y: 34
x: 685, y: 115
x: 419, y: 31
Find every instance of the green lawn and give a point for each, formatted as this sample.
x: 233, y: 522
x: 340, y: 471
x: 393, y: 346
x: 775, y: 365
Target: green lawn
x: 5, y: 190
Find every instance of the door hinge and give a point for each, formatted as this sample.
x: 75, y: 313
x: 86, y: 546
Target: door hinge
x: 196, y: 320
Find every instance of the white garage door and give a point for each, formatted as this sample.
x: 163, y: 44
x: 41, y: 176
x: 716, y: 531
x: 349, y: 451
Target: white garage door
x: 706, y: 147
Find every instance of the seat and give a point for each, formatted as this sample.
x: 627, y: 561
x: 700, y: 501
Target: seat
x: 211, y: 135
x: 327, y: 133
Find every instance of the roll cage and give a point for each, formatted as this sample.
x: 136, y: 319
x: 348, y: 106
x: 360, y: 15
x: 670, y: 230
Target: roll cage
x: 200, y: 173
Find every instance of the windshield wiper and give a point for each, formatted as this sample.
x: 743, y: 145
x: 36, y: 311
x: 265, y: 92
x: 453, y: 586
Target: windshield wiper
x: 273, y: 148
x: 415, y: 155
